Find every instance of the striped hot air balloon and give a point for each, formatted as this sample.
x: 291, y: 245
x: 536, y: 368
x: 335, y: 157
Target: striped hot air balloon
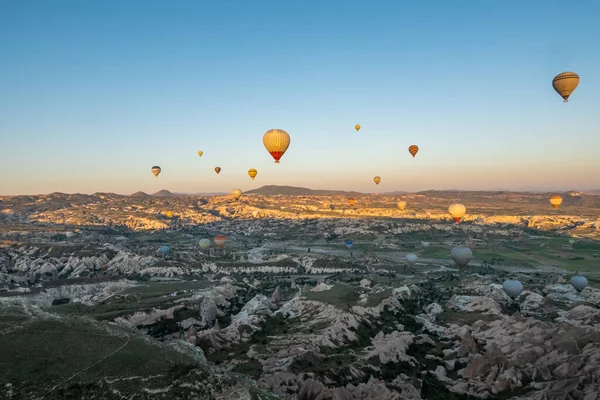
x: 555, y: 201
x: 276, y: 142
x: 156, y: 170
x: 220, y: 240
x: 565, y: 84
x: 252, y: 172
x: 413, y: 150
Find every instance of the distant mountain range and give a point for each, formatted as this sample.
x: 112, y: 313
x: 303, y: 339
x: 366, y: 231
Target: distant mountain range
x: 274, y: 190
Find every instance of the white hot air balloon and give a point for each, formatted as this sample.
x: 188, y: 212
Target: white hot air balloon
x: 204, y: 243
x: 69, y: 234
x: 512, y: 288
x: 425, y: 244
x: 412, y: 259
x: 461, y: 256
x: 579, y: 282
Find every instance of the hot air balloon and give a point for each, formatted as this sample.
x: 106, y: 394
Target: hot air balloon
x: 169, y: 214
x: 401, y: 205
x: 377, y: 179
x: 357, y: 127
x: 461, y: 256
x: 236, y: 193
x: 457, y: 211
x: 565, y: 83
x: 217, y: 170
x: 555, y: 201
x: 220, y: 240
x: 411, y: 259
x: 351, y: 202
x: 156, y: 170
x: 425, y: 244
x: 332, y: 207
x: 204, y: 243
x: 579, y: 282
x: 200, y: 152
x: 252, y: 173
x: 164, y: 250
x: 69, y: 234
x: 512, y: 288
x: 413, y: 150
x: 276, y: 142
x: 349, y: 244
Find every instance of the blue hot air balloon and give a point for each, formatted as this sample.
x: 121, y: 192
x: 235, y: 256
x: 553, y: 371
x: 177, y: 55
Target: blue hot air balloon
x: 164, y: 250
x: 579, y: 282
x: 349, y: 244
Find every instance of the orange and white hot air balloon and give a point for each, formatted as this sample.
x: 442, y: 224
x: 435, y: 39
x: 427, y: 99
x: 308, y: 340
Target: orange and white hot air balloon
x: 276, y: 142
x: 555, y: 201
x: 156, y: 170
x: 413, y: 150
x: 377, y: 179
x: 565, y: 84
x: 220, y: 240
x: 457, y: 211
x: 217, y: 170
x: 357, y: 127
x: 252, y: 173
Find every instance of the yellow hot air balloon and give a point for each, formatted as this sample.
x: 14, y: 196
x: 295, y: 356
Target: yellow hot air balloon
x: 252, y: 172
x: 276, y: 142
x: 413, y: 150
x: 457, y: 211
x: 401, y: 205
x: 170, y: 214
x: 236, y: 193
x: 555, y: 201
x: 357, y: 127
x: 351, y: 202
x: 200, y: 152
x: 156, y: 170
x: 377, y: 179
x: 565, y: 83
x: 217, y: 170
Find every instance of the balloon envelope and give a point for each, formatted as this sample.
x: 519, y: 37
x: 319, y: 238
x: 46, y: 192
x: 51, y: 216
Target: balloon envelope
x: 156, y: 170
x: 401, y: 205
x: 377, y: 179
x: 351, y: 202
x: 217, y: 170
x: 425, y: 244
x: 220, y: 240
x: 236, y: 193
x: 413, y: 150
x: 565, y: 83
x: 411, y: 258
x: 457, y: 211
x: 332, y: 207
x: 252, y: 173
x: 349, y: 244
x: 200, y: 152
x: 276, y: 142
x: 461, y: 256
x: 579, y: 282
x: 357, y: 127
x: 69, y: 234
x: 512, y: 288
x: 204, y: 243
x: 164, y: 250
x: 555, y: 201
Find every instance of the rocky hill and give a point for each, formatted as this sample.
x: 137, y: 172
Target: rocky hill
x: 274, y: 190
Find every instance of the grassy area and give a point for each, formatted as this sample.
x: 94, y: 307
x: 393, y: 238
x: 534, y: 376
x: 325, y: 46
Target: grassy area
x: 340, y: 295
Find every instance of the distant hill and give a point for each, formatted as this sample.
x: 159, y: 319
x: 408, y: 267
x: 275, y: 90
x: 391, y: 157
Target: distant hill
x: 163, y: 193
x: 274, y: 190
x: 395, y: 193
x: 140, y: 195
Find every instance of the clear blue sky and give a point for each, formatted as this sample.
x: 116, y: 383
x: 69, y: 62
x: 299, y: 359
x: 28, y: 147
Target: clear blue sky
x: 94, y: 93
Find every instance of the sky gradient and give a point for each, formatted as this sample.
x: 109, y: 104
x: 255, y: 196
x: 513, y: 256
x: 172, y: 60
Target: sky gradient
x: 94, y: 93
